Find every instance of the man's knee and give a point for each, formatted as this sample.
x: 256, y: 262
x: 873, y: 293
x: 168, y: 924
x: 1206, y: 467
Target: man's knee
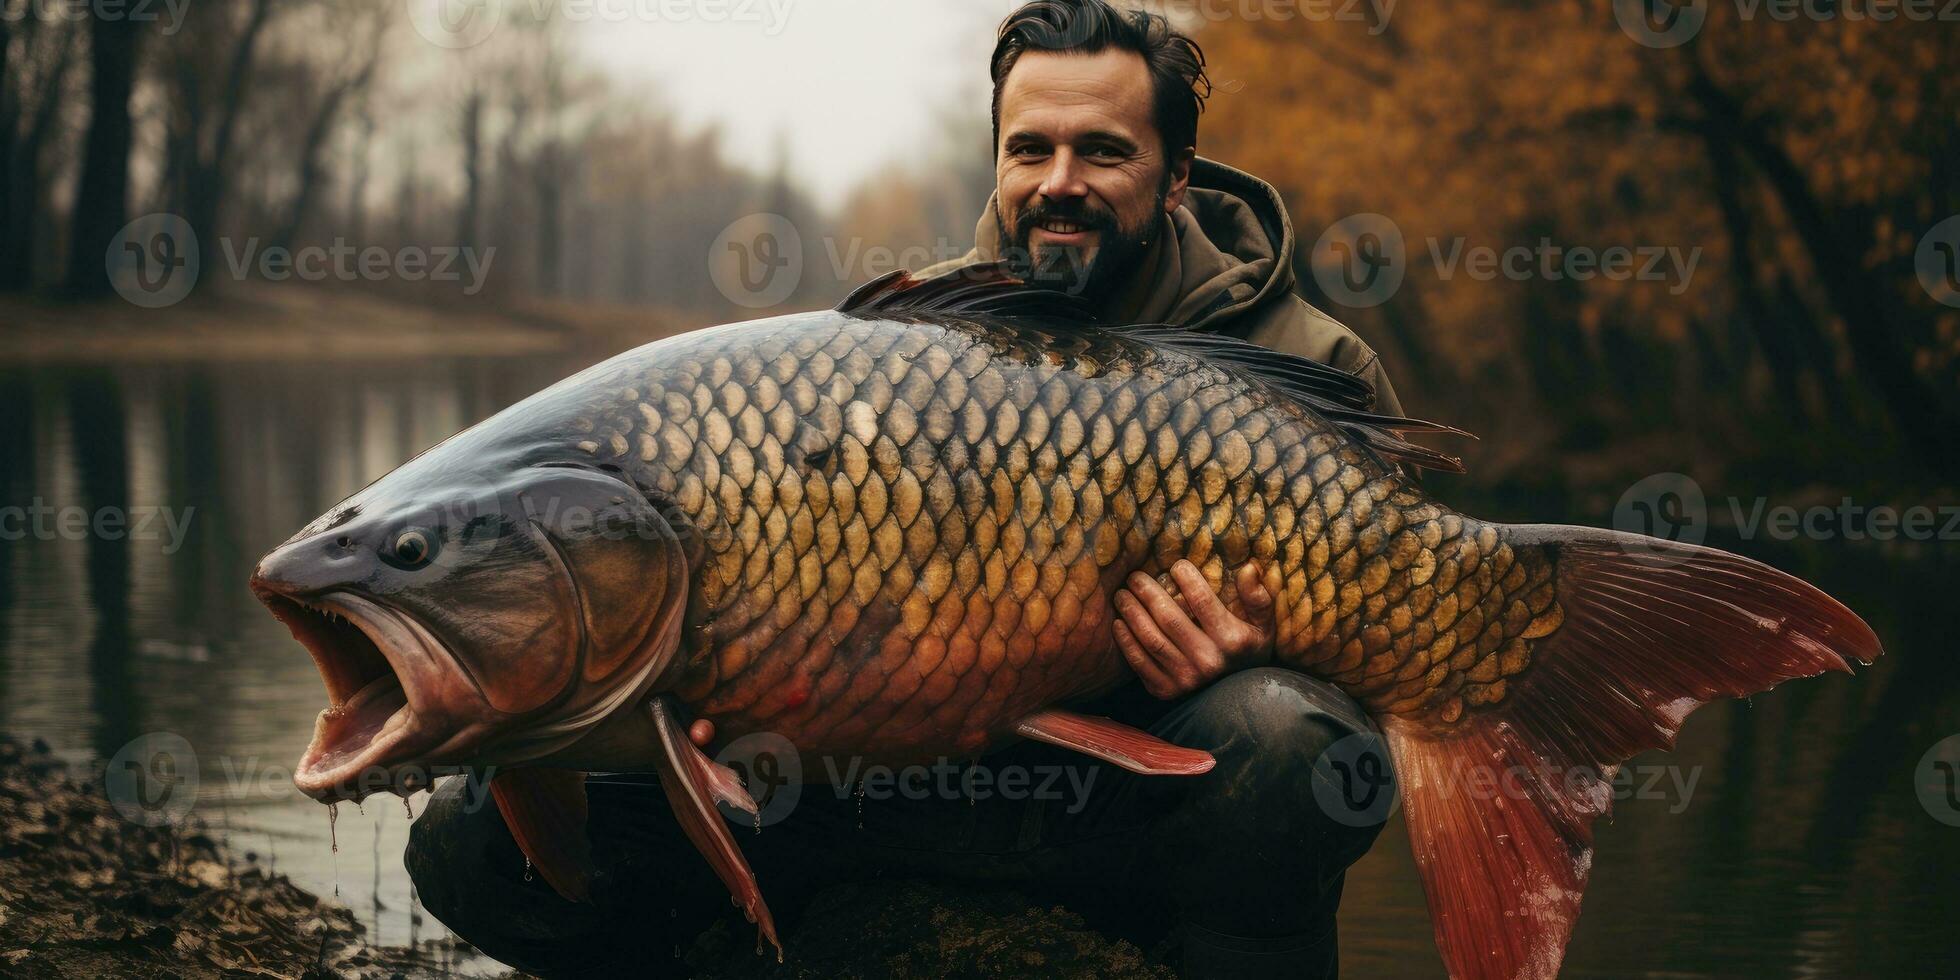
x: 447, y: 845
x: 1276, y: 716
x: 1294, y: 754
x: 469, y: 873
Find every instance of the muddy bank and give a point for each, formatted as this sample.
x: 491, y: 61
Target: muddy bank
x: 87, y: 893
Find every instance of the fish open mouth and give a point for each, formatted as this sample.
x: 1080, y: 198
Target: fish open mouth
x: 369, y: 736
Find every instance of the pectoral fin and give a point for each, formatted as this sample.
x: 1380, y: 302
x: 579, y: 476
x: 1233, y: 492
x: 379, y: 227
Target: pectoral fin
x: 693, y: 783
x: 1115, y: 743
x: 545, y: 811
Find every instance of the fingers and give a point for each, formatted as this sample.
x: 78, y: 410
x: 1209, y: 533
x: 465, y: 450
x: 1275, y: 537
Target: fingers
x: 1256, y: 594
x: 701, y: 732
x: 1143, y: 665
x: 1162, y: 635
x: 1204, y: 604
x: 1252, y: 589
x: 1190, y: 637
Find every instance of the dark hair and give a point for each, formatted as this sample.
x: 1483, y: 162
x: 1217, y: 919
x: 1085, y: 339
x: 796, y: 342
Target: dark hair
x: 1176, y: 63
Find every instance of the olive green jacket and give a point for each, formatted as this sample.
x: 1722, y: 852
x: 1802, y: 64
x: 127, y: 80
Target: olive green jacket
x: 1225, y: 263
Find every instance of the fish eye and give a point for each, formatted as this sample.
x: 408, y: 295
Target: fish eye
x: 412, y: 549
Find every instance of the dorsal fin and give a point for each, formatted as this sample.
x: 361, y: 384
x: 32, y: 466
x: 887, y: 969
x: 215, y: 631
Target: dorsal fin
x: 1333, y: 394
x: 983, y: 289
x: 988, y: 290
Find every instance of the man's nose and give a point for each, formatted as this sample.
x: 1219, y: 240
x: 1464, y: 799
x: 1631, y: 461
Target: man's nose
x: 1063, y: 179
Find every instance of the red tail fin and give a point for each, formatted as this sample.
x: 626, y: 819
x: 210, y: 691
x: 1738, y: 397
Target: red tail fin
x: 1500, y: 803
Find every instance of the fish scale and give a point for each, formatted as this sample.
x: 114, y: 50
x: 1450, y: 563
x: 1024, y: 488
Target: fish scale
x: 915, y: 529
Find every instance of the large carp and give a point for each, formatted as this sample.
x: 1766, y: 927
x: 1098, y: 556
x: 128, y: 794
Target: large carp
x: 894, y: 531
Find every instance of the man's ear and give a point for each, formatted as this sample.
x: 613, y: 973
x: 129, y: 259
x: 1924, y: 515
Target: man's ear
x: 1180, y: 164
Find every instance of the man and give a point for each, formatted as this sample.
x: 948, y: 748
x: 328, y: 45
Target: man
x: 1099, y: 191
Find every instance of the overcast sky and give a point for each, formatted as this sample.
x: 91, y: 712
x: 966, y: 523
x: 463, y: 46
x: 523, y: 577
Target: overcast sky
x: 849, y: 85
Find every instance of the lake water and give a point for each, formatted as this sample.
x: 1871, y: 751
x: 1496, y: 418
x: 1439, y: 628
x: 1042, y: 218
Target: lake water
x: 1784, y: 837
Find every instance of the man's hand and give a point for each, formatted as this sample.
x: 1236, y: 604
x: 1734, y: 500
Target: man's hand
x: 1178, y: 645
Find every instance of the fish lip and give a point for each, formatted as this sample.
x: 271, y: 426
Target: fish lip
x: 410, y: 749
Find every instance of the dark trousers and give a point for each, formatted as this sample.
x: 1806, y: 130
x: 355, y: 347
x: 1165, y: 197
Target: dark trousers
x: 1245, y: 862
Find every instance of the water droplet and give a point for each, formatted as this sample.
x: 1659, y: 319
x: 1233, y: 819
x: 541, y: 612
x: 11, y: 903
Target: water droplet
x: 527, y: 869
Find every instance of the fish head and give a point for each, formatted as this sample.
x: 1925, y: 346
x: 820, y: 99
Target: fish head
x: 469, y: 617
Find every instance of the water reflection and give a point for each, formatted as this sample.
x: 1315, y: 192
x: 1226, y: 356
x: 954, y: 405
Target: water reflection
x: 150, y: 628
x: 1802, y: 848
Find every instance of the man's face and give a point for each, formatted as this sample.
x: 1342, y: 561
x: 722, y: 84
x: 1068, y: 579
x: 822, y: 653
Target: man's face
x: 1081, y: 169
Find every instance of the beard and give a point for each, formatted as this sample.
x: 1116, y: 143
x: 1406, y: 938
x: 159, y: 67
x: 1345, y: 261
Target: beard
x: 1063, y: 267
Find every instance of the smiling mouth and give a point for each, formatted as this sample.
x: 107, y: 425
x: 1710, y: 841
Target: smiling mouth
x: 369, y: 734
x: 1055, y: 227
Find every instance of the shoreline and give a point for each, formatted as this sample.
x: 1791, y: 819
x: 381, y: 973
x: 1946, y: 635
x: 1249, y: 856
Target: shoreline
x: 87, y: 891
x: 84, y: 891
x: 263, y: 322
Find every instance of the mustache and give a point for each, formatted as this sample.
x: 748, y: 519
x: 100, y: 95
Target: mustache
x: 1078, y: 212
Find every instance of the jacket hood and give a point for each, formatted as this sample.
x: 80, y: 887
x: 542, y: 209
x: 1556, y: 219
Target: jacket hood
x: 1226, y: 249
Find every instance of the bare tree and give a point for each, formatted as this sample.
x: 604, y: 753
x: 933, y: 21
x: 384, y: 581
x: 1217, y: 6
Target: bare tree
x: 207, y: 115
x: 102, y: 196
x: 9, y: 116
x: 52, y: 54
x: 352, y: 85
x: 468, y: 217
